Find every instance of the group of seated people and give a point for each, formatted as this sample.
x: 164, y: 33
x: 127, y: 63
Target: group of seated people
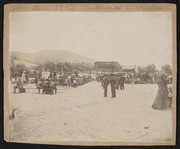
x: 73, y: 81
x: 48, y: 86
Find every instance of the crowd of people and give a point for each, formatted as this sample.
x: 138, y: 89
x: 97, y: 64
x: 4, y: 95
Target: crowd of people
x: 163, y: 100
x: 134, y: 78
x: 32, y: 76
x: 48, y: 83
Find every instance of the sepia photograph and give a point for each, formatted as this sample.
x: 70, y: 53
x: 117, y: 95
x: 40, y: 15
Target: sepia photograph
x: 90, y: 74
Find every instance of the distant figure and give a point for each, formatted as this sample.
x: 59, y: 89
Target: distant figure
x: 74, y: 83
x: 170, y: 93
x: 19, y: 85
x: 27, y: 77
x: 40, y: 85
x: 113, y: 86
x: 52, y: 87
x: 162, y: 101
x: 101, y: 79
x: 50, y: 76
x: 121, y: 82
x: 61, y: 81
x: 105, y: 85
x: 46, y: 86
x: 117, y: 82
x: 13, y: 114
x: 23, y: 77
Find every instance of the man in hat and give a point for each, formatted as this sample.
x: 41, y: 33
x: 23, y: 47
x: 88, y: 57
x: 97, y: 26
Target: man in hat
x: 121, y: 82
x: 113, y: 86
x: 105, y: 84
x: 40, y: 84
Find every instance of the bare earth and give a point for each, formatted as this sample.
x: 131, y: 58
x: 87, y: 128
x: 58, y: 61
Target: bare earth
x: 83, y: 114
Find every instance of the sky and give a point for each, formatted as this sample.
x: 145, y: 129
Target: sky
x: 130, y: 38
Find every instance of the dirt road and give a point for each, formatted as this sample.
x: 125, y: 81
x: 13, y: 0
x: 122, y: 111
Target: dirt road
x: 83, y: 114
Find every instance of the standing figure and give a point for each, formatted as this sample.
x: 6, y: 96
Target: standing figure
x: 23, y: 77
x: 27, y: 77
x: 50, y: 75
x: 121, y: 82
x: 117, y: 82
x: 162, y: 101
x: 19, y: 85
x: 61, y: 81
x: 101, y: 80
x: 113, y: 86
x: 40, y: 85
x: 105, y: 85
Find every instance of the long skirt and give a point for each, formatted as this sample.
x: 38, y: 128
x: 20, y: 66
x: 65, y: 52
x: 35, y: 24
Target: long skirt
x: 162, y: 101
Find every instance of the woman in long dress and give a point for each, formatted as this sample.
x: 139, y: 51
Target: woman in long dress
x: 162, y: 101
x: 23, y: 77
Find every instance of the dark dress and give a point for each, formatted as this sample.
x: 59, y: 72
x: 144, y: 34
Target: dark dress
x: 162, y: 101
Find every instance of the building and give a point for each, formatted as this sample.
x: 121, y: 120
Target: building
x: 107, y: 67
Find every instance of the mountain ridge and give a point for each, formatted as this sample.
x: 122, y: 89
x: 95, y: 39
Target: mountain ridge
x: 51, y: 55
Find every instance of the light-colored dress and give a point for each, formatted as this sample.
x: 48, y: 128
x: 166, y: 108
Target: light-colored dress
x: 23, y: 77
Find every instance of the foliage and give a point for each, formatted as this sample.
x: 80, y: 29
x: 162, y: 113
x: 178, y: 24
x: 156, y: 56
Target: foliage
x: 167, y: 69
x: 64, y: 67
x: 16, y: 67
x: 141, y: 69
x: 150, y: 69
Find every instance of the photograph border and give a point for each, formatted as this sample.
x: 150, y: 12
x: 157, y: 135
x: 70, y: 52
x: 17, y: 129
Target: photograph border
x: 110, y: 7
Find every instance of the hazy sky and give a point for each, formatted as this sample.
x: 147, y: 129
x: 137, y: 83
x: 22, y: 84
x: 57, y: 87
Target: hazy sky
x: 131, y: 38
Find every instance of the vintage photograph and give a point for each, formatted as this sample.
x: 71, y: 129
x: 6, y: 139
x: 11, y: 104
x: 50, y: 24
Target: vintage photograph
x: 90, y: 74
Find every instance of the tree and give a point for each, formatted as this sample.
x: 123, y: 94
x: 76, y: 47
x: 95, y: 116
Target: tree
x: 50, y: 66
x: 167, y: 69
x: 141, y: 69
x: 20, y: 67
x: 12, y: 62
x: 150, y: 69
x: 15, y: 68
x: 59, y: 66
x: 67, y: 67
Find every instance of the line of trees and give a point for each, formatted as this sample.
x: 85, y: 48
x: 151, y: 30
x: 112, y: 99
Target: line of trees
x: 151, y: 69
x: 65, y: 67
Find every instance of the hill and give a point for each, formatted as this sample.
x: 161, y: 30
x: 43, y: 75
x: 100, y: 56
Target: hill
x: 51, y: 55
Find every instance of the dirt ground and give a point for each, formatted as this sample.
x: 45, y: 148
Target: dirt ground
x: 83, y: 114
